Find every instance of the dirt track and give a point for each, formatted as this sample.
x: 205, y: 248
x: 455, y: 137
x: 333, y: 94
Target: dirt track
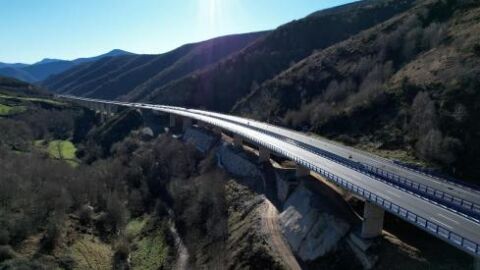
x: 275, y: 237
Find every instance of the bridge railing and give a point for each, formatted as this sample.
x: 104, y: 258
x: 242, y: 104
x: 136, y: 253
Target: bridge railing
x: 417, y: 220
x: 467, y: 208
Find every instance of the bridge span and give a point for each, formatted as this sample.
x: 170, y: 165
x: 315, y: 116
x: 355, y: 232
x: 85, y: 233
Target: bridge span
x: 446, y: 209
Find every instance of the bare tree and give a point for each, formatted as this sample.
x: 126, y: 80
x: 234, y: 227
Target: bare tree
x: 423, y: 115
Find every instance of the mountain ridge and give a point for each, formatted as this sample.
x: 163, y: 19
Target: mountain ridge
x: 116, y: 77
x: 46, y: 67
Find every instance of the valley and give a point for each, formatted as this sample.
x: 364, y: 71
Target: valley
x: 344, y: 139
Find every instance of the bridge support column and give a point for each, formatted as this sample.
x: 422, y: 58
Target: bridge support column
x: 172, y: 121
x: 301, y: 171
x: 98, y: 107
x: 187, y: 122
x: 109, y: 109
x: 476, y: 263
x: 372, y: 224
x: 237, y: 140
x: 263, y: 154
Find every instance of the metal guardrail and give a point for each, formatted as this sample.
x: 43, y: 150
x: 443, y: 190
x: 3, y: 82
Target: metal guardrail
x: 438, y: 176
x: 429, y: 192
x: 419, y: 221
x: 468, y: 208
x: 423, y: 223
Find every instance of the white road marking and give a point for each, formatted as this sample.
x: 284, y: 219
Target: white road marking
x: 439, y: 222
x: 392, y: 193
x: 441, y: 215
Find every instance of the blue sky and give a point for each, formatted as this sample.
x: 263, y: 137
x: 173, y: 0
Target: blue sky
x: 66, y: 29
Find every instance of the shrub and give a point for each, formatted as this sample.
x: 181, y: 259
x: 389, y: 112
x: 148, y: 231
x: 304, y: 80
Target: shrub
x: 4, y: 236
x: 476, y: 49
x: 52, y: 237
x: 85, y: 214
x: 122, y: 252
x: 23, y: 264
x: 6, y: 253
x: 116, y: 213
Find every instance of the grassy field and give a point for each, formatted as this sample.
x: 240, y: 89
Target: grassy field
x: 6, y: 110
x: 60, y: 149
x: 135, y: 226
x: 150, y: 252
x: 31, y: 99
x: 90, y: 253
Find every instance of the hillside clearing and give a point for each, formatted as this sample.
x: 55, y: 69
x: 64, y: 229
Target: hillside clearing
x: 6, y: 110
x: 60, y: 149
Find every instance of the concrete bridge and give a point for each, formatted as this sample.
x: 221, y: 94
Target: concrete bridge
x: 446, y: 209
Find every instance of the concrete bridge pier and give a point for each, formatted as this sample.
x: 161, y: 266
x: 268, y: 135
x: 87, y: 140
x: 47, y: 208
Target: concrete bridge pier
x: 114, y: 109
x: 91, y: 106
x: 103, y: 112
x: 237, y: 141
x: 372, y: 224
x: 301, y: 171
x: 186, y: 123
x: 109, y: 109
x: 263, y: 154
x: 99, y: 107
x: 172, y: 121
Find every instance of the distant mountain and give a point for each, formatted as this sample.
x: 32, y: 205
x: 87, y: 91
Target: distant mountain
x: 20, y: 87
x: 47, y: 61
x: 15, y: 65
x: 43, y: 69
x: 17, y: 73
x: 130, y: 76
x: 112, y: 53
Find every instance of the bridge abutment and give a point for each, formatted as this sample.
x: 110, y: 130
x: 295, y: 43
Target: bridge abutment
x: 372, y: 224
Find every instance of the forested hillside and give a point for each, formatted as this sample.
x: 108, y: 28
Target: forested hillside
x: 220, y: 86
x: 79, y: 192
x: 411, y: 83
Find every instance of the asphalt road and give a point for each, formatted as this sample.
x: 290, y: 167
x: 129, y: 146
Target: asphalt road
x: 359, y: 156
x: 354, y: 155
